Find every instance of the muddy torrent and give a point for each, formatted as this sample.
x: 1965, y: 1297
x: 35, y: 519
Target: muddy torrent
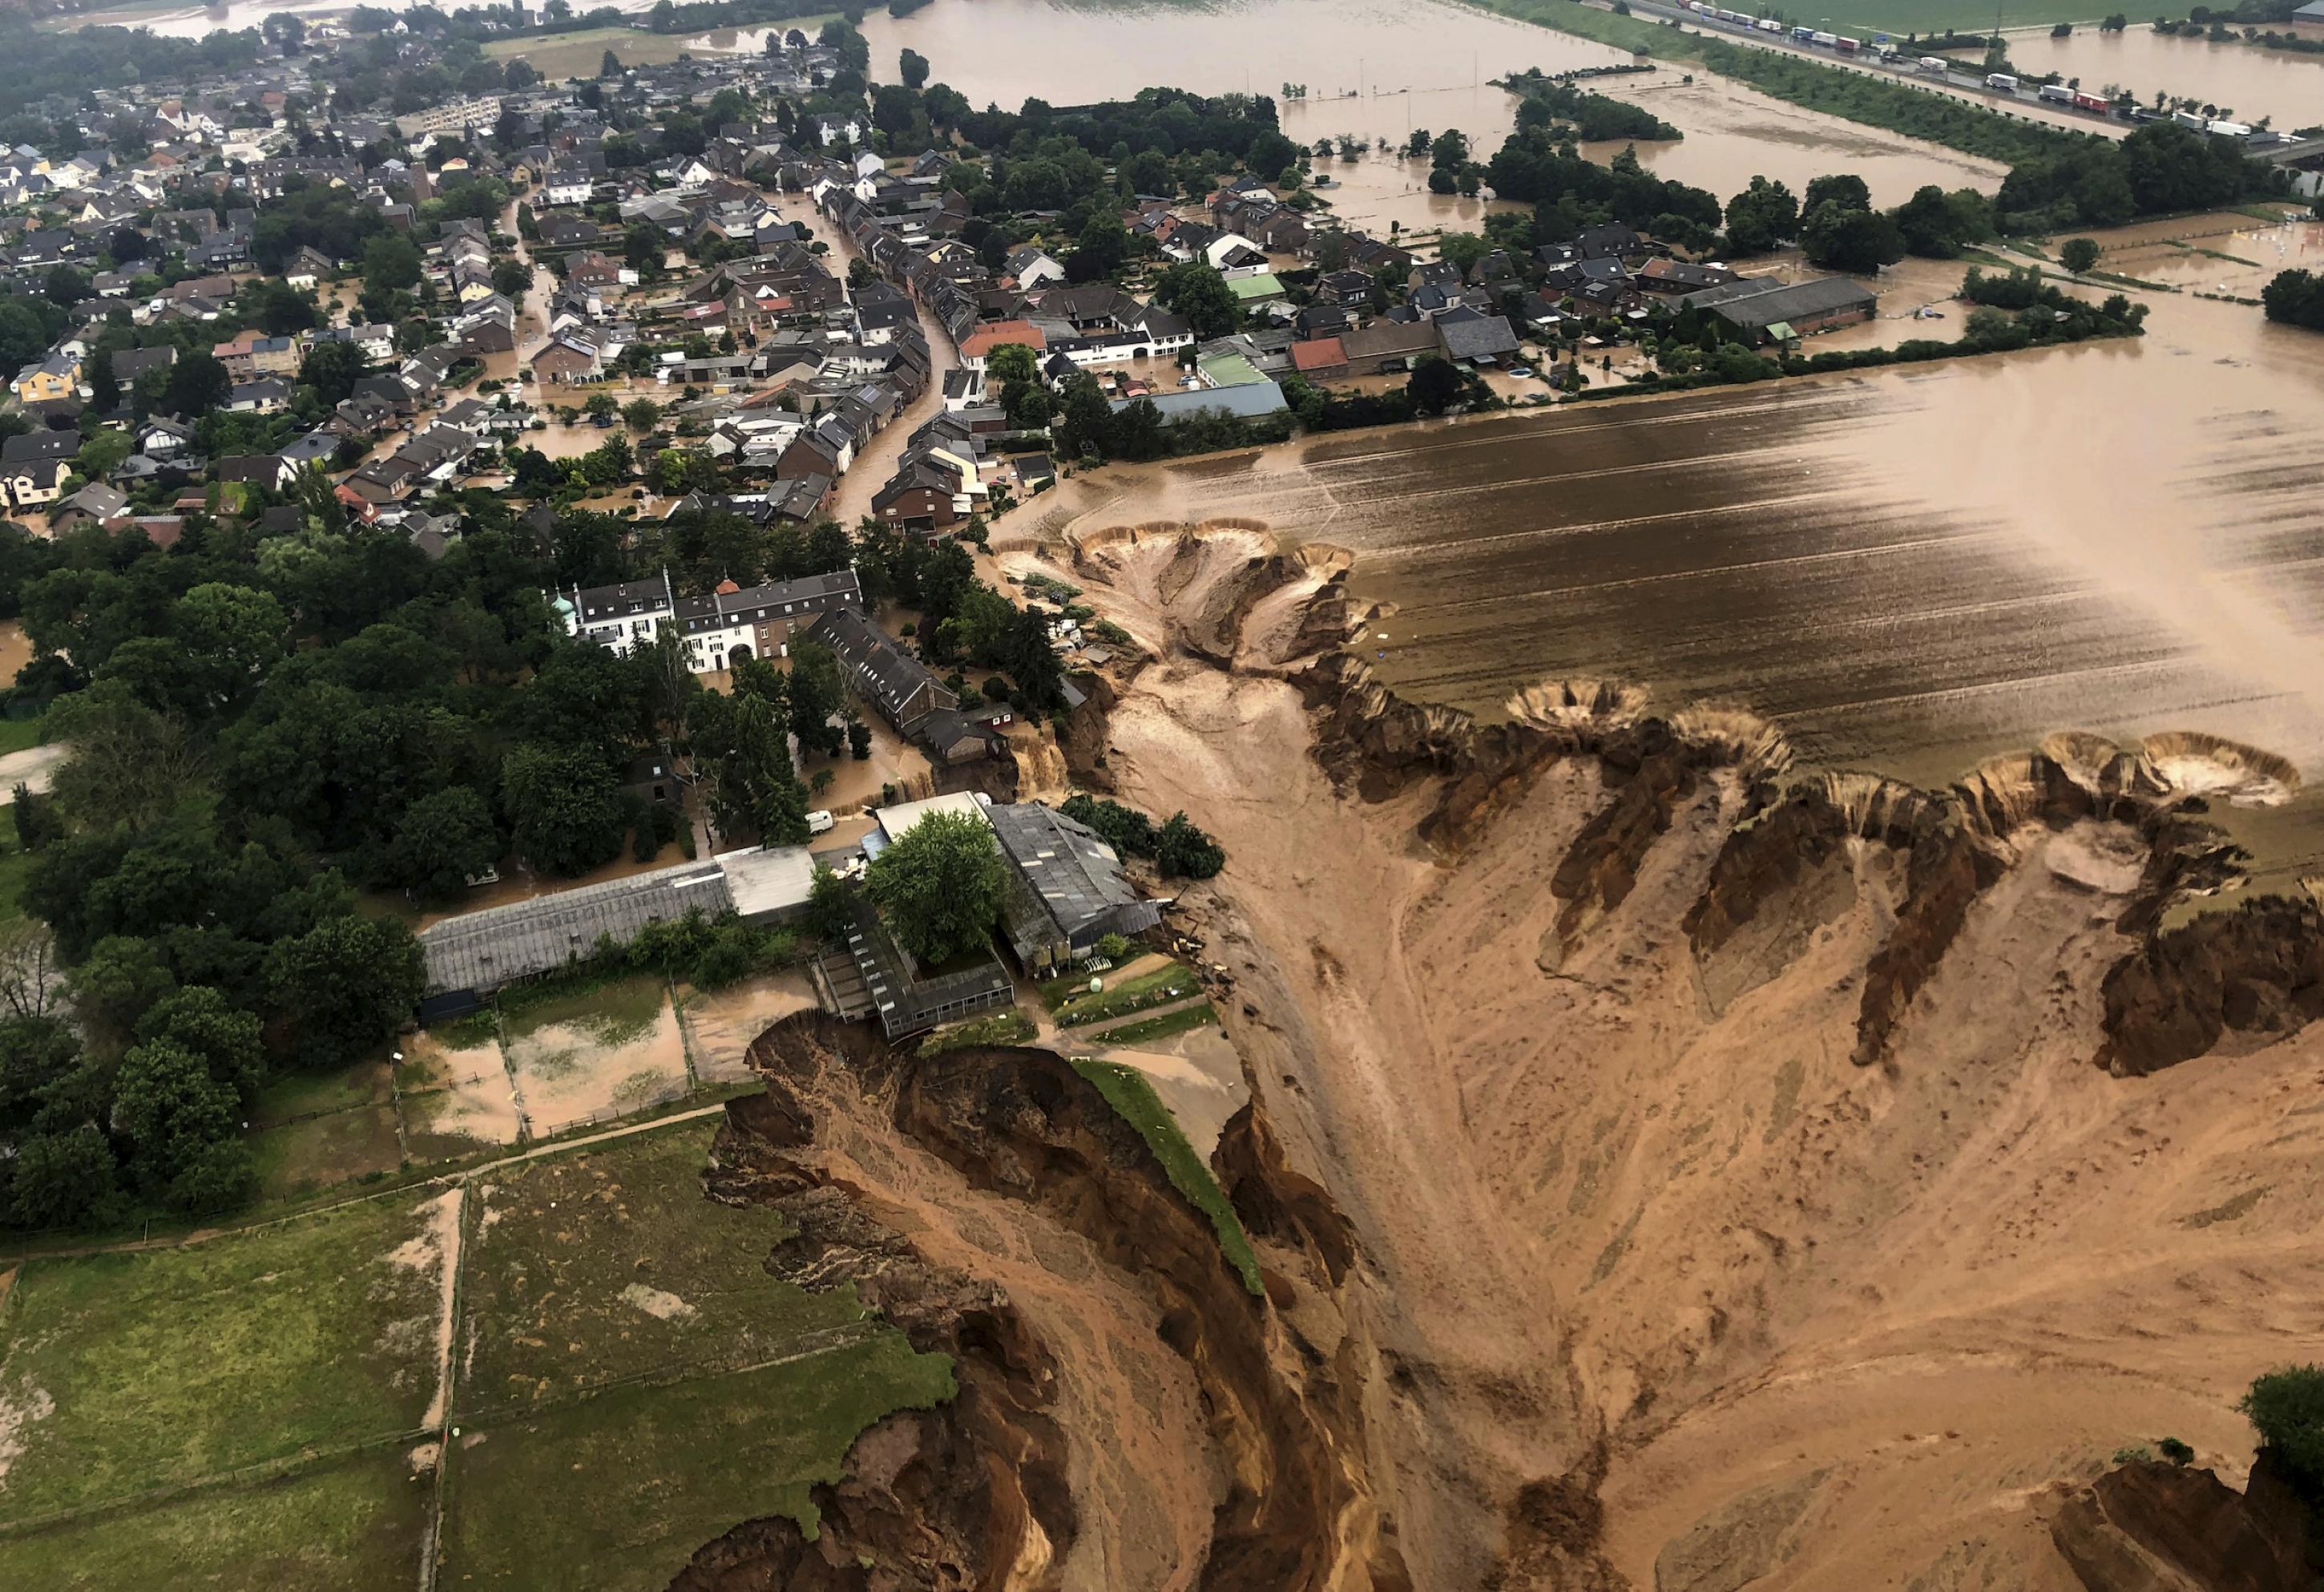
x: 1751, y: 1176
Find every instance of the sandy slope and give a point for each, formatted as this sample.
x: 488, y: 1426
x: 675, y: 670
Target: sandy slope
x: 1850, y: 1326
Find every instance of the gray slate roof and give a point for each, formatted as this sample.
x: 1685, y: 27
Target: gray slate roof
x: 1755, y: 304
x: 1072, y: 878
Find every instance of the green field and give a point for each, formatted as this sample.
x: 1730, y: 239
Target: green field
x: 18, y: 734
x: 1173, y: 982
x: 578, y: 54
x: 247, y: 1413
x: 130, y: 1372
x: 1127, y: 1091
x: 616, y: 1493
x: 605, y: 1263
x: 1011, y: 1027
x: 1149, y: 1029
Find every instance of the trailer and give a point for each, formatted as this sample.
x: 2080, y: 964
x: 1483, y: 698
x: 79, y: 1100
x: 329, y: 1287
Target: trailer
x: 1936, y: 66
x: 1845, y: 46
x: 1802, y: 35
x: 1823, y: 38
x: 1768, y: 24
x: 2228, y: 130
x: 2001, y: 80
x: 2086, y: 100
x: 2055, y: 93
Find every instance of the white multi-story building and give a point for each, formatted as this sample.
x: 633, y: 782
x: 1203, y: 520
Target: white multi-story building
x: 750, y: 621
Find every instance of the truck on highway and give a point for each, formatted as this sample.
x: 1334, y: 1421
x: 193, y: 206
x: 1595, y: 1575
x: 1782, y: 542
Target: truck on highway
x: 2055, y: 93
x: 2001, y: 80
x: 1802, y: 35
x: 1936, y: 66
x: 2186, y: 118
x: 2085, y: 100
x: 1846, y: 46
x: 2228, y: 130
x: 1824, y: 39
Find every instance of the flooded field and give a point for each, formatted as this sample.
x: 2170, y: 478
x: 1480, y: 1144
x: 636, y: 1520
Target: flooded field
x: 1906, y: 571
x: 2250, y: 81
x: 600, y: 1052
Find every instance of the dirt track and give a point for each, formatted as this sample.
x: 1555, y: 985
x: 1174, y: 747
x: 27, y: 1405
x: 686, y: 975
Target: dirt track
x: 1861, y: 1322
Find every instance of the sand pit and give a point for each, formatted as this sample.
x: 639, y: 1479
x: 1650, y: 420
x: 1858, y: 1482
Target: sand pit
x: 453, y: 1087
x: 720, y: 1027
x: 603, y: 1053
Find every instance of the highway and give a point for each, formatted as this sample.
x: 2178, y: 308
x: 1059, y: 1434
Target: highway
x: 1962, y: 83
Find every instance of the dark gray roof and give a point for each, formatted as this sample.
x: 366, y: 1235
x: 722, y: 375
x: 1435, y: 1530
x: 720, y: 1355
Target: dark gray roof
x: 873, y: 665
x: 1755, y: 304
x: 1069, y: 881
x: 482, y: 951
x: 1482, y: 336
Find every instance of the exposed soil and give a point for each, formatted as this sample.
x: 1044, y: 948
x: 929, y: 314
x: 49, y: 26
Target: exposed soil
x: 1128, y: 1415
x: 1730, y: 1163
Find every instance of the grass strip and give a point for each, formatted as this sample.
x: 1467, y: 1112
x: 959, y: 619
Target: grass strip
x: 1011, y: 1027
x: 1154, y: 1028
x: 1127, y: 1091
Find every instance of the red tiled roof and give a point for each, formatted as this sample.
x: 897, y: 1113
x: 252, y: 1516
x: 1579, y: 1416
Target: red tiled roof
x: 986, y: 338
x: 1318, y: 354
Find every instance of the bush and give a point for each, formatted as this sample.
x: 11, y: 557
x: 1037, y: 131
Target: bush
x: 2286, y: 1408
x: 1183, y: 851
x: 1113, y: 947
x: 2173, y: 1450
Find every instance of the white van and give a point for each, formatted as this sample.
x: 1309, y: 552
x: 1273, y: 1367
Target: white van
x: 819, y: 821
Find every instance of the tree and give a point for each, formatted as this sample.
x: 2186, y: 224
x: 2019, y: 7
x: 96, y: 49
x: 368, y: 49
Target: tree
x: 390, y: 264
x: 178, y: 1121
x: 1099, y: 251
x: 828, y: 913
x: 642, y: 414
x: 446, y: 838
x: 2078, y: 254
x: 940, y: 888
x: 61, y: 1179
x: 346, y: 986
x: 1081, y: 428
x: 2286, y: 1408
x: 1761, y: 217
x: 1435, y: 384
x: 199, y: 1021
x: 601, y: 406
x: 1857, y: 241
x: 2295, y: 297
x: 333, y: 369
x: 1845, y: 190
x: 859, y: 740
x: 609, y: 65
x: 564, y: 807
x: 101, y: 455
x: 912, y: 67
x: 815, y: 696
x: 1201, y: 294
x: 198, y: 384
x: 1183, y: 851
x: 1011, y: 362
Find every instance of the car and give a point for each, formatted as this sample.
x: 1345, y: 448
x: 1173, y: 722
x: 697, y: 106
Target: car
x: 819, y: 821
x: 1521, y: 370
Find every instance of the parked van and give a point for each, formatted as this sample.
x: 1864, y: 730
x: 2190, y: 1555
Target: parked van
x: 819, y: 821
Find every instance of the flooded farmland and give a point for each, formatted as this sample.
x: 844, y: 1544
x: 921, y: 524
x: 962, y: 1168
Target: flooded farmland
x: 1906, y: 571
x: 2250, y: 81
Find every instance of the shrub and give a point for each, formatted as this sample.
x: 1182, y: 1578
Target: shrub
x: 2173, y: 1450
x: 1113, y: 947
x: 2286, y: 1408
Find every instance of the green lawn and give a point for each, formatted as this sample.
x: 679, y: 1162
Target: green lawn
x: 578, y: 54
x: 1148, y: 1029
x: 18, y: 734
x: 616, y: 1493
x: 353, y: 1526
x: 610, y: 1263
x: 128, y: 1372
x: 1174, y: 982
x: 1011, y: 1027
x: 1127, y: 1091
x: 612, y: 1010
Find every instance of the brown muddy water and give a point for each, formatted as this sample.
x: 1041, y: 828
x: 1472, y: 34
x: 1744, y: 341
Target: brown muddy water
x: 1907, y: 571
x: 1375, y: 70
x: 2242, y: 78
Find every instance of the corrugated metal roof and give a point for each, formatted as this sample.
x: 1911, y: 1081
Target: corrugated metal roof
x: 504, y: 945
